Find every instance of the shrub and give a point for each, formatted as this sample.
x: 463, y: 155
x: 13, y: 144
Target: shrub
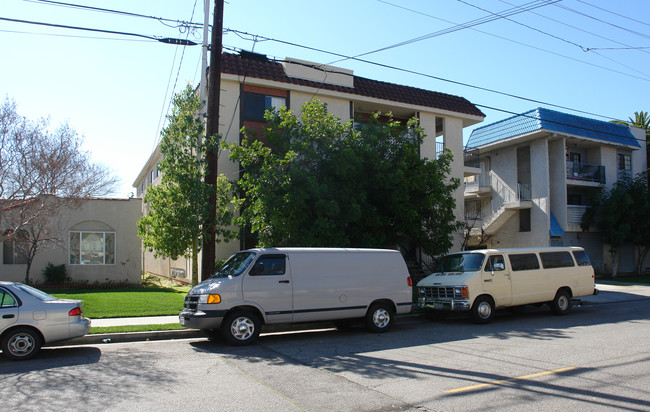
x: 55, y: 274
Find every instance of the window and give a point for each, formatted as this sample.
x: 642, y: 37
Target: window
x: 7, y: 300
x: 524, y: 261
x: 11, y: 254
x: 524, y: 220
x: 489, y: 266
x: 152, y: 175
x: 92, y: 248
x: 254, y: 105
x: 461, y: 262
x: 271, y: 265
x: 581, y: 258
x: 624, y: 162
x: 551, y: 260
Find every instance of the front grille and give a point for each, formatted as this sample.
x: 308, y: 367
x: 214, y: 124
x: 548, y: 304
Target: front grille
x: 191, y: 302
x: 440, y: 292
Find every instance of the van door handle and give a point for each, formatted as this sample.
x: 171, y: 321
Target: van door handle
x: 7, y: 316
x: 283, y: 281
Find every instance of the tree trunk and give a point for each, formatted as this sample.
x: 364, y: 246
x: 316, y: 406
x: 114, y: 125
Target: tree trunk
x: 195, y: 262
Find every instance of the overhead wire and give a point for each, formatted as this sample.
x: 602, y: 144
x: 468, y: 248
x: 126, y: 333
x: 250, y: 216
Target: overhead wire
x: 430, y: 76
x: 512, y: 11
x: 124, y: 13
x: 168, y: 103
x: 519, y: 43
x: 584, y: 49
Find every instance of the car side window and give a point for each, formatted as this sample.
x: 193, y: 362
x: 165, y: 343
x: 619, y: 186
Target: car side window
x: 6, y: 300
x: 492, y: 260
x: 269, y: 265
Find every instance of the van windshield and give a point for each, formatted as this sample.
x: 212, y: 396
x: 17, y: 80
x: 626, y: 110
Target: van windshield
x: 235, y: 265
x: 461, y: 262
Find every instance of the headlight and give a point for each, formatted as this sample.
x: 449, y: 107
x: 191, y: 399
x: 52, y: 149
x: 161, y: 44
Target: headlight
x: 421, y: 291
x: 212, y: 298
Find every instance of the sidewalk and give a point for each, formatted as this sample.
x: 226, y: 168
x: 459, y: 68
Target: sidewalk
x: 609, y: 293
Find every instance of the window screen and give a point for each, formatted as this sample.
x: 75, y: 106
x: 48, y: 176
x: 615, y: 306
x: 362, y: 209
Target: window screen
x: 552, y: 260
x: 524, y: 261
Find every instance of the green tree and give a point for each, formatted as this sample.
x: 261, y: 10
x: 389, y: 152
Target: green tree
x: 621, y: 216
x: 172, y: 226
x: 318, y: 182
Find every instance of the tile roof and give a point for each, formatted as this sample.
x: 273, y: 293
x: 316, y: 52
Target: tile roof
x: 541, y: 119
x: 261, y: 68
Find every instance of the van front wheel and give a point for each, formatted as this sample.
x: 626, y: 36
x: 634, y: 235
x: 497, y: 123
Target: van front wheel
x: 241, y: 328
x: 562, y: 303
x: 379, y: 317
x: 482, y: 310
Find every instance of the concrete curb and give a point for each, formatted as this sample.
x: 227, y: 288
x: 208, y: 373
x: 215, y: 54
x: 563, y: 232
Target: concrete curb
x: 102, y: 338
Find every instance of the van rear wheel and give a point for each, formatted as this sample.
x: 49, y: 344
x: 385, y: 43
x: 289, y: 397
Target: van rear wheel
x: 483, y: 310
x: 561, y: 303
x: 380, y: 317
x: 241, y: 328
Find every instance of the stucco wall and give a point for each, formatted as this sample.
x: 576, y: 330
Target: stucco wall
x: 118, y: 215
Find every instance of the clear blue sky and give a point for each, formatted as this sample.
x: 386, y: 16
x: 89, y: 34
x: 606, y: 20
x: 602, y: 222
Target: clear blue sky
x: 589, y: 55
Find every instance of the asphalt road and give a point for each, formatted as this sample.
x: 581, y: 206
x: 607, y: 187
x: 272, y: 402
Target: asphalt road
x: 595, y: 358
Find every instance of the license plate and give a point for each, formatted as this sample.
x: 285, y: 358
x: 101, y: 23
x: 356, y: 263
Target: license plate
x: 181, y: 319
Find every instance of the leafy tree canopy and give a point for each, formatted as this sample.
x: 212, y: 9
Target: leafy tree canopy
x: 621, y: 216
x: 318, y: 182
x: 172, y: 226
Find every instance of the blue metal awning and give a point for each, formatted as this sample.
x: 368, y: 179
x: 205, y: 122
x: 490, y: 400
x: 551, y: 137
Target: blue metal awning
x: 556, y: 229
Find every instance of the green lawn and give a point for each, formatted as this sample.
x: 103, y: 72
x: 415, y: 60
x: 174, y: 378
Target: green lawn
x: 120, y: 303
x: 134, y: 328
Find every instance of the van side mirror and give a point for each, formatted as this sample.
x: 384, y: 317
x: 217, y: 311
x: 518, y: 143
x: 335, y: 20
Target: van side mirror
x: 499, y: 266
x: 257, y: 269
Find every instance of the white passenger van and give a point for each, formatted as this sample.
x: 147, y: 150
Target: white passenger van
x: 481, y: 281
x: 290, y: 285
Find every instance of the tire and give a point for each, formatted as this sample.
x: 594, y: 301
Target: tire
x: 380, y: 317
x: 561, y: 304
x: 241, y: 328
x: 21, y: 343
x: 482, y: 310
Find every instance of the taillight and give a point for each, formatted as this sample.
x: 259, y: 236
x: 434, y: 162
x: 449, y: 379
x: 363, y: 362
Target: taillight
x: 409, y: 281
x: 75, y: 312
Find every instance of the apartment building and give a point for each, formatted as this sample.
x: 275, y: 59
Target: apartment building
x: 537, y: 171
x: 252, y: 83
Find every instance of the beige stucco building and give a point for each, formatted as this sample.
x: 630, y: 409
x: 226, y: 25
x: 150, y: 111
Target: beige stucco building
x: 98, y: 244
x: 252, y: 83
x: 537, y: 172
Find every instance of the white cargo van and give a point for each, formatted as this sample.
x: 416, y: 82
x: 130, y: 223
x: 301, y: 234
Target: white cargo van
x: 289, y: 285
x: 481, y: 281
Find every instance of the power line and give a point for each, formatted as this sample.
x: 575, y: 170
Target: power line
x: 611, y: 12
x: 121, y: 33
x: 422, y: 74
x: 519, y: 43
x: 579, y: 29
x: 179, y: 23
x: 512, y: 11
x: 603, y: 21
x: 554, y: 36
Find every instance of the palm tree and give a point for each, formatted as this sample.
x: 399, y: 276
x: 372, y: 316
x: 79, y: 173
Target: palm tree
x: 641, y: 119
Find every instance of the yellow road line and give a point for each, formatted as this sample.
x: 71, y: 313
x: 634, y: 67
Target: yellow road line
x: 493, y: 383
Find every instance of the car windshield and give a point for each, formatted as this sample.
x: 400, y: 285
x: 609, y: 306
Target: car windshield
x: 35, y: 293
x: 235, y: 265
x: 461, y: 262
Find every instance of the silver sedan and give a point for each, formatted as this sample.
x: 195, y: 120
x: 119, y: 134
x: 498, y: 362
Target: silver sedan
x: 30, y: 318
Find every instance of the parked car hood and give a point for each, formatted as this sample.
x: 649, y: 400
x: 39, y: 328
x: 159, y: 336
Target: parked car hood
x: 445, y: 279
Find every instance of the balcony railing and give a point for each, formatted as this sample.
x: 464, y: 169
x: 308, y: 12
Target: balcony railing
x: 585, y: 172
x: 471, y: 157
x: 574, y: 214
x: 482, y: 180
x: 473, y: 210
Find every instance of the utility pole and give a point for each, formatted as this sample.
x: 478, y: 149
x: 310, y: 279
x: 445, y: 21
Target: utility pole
x: 212, y: 128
